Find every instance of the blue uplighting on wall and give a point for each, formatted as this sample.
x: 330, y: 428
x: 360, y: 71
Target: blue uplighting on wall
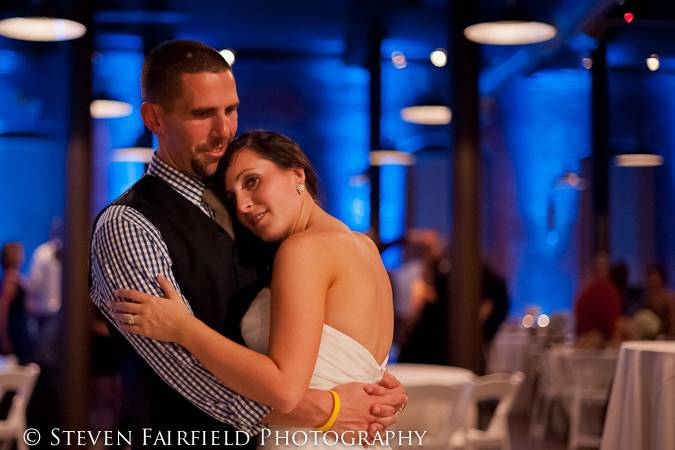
x: 547, y: 131
x: 660, y: 138
x: 323, y: 104
x: 34, y: 113
x: 116, y: 75
x: 392, y: 211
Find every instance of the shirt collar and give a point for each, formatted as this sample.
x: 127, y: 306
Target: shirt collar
x: 190, y: 188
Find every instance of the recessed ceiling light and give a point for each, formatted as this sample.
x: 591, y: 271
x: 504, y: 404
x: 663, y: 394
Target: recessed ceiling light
x: 510, y: 32
x: 228, y: 54
x: 41, y: 29
x: 109, y: 109
x: 427, y: 114
x: 638, y: 160
x: 439, y: 58
x: 133, y: 154
x: 390, y: 158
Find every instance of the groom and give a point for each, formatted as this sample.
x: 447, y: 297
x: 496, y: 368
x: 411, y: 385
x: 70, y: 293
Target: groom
x: 166, y: 224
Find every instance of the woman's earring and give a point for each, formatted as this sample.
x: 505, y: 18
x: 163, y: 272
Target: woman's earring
x: 300, y: 188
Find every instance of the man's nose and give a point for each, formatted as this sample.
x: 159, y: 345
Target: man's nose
x: 221, y: 126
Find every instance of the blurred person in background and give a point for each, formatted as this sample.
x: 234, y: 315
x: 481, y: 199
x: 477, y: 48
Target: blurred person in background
x: 413, y: 282
x: 426, y: 335
x: 494, y: 307
x: 597, y: 308
x: 618, y: 275
x: 44, y: 290
x: 14, y: 336
x: 660, y: 300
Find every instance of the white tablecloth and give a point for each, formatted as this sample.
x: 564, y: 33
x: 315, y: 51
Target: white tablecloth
x: 423, y: 374
x: 641, y: 413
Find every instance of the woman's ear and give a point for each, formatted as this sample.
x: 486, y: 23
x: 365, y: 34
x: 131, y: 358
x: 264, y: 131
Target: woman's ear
x: 299, y: 173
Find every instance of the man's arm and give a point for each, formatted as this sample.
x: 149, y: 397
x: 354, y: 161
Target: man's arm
x: 364, y: 407
x: 128, y: 252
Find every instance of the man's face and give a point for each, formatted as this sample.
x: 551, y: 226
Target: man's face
x: 195, y: 132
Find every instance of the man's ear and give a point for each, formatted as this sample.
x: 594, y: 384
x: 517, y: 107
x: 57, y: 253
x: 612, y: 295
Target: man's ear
x: 151, y: 113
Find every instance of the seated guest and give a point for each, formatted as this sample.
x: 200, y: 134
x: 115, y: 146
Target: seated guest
x: 660, y: 300
x: 597, y: 308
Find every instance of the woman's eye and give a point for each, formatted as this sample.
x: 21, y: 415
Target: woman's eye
x: 251, y: 182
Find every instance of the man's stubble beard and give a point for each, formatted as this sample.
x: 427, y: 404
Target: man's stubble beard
x: 201, y: 167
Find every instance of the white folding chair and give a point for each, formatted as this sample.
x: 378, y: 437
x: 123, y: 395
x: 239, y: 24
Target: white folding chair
x: 502, y: 387
x: 7, y: 362
x: 438, y: 410
x: 550, y: 389
x: 20, y: 380
x: 590, y: 374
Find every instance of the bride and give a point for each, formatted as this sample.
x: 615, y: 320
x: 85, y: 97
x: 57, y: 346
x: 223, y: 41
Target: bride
x: 327, y: 318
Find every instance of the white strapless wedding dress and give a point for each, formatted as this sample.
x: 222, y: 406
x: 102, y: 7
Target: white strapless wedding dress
x: 341, y: 359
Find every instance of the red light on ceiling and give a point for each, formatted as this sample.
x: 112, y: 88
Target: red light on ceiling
x: 628, y: 17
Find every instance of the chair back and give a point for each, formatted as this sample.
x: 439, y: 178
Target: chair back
x: 20, y: 380
x: 590, y: 370
x: 502, y: 387
x: 437, y: 409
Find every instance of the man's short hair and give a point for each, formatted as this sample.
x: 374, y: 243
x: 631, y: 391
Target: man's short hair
x: 160, y: 81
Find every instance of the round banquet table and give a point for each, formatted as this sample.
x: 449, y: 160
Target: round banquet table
x: 424, y: 374
x: 641, y: 412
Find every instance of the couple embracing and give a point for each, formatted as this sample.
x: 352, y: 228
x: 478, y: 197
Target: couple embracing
x: 236, y: 300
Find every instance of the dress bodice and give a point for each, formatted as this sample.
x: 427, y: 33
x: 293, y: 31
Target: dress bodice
x: 341, y: 358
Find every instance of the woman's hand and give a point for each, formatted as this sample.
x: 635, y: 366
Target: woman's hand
x: 164, y: 319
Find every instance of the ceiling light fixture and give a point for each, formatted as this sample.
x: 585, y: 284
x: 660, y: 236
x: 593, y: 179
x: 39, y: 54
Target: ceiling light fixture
x: 638, y: 160
x: 391, y: 158
x: 512, y: 27
x: 133, y: 154
x: 398, y: 59
x: 653, y: 62
x: 41, y: 29
x: 439, y: 57
x: 427, y: 114
x: 109, y: 109
x: 228, y: 55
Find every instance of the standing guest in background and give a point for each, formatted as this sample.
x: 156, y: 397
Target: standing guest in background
x: 660, y: 300
x: 14, y: 336
x: 597, y: 308
x: 413, y: 282
x: 494, y: 306
x: 44, y: 289
x: 427, y: 341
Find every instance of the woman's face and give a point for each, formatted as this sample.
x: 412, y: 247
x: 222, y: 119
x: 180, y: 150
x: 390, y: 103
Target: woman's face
x: 265, y: 195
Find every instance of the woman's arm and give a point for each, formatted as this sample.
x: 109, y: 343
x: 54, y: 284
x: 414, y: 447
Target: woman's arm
x: 299, y: 285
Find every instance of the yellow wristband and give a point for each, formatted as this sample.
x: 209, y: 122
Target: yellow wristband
x: 333, y: 415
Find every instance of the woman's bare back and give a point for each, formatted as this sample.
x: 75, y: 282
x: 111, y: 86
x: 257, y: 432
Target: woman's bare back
x: 359, y: 298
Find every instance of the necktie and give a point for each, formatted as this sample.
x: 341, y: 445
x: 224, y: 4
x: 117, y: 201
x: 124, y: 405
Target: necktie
x: 220, y: 214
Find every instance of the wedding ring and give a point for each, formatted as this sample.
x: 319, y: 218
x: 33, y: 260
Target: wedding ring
x: 130, y: 321
x: 400, y: 410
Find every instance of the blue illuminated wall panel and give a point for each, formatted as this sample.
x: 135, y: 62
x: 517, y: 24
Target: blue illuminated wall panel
x: 323, y: 105
x: 546, y: 121
x: 34, y: 92
x: 116, y: 74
